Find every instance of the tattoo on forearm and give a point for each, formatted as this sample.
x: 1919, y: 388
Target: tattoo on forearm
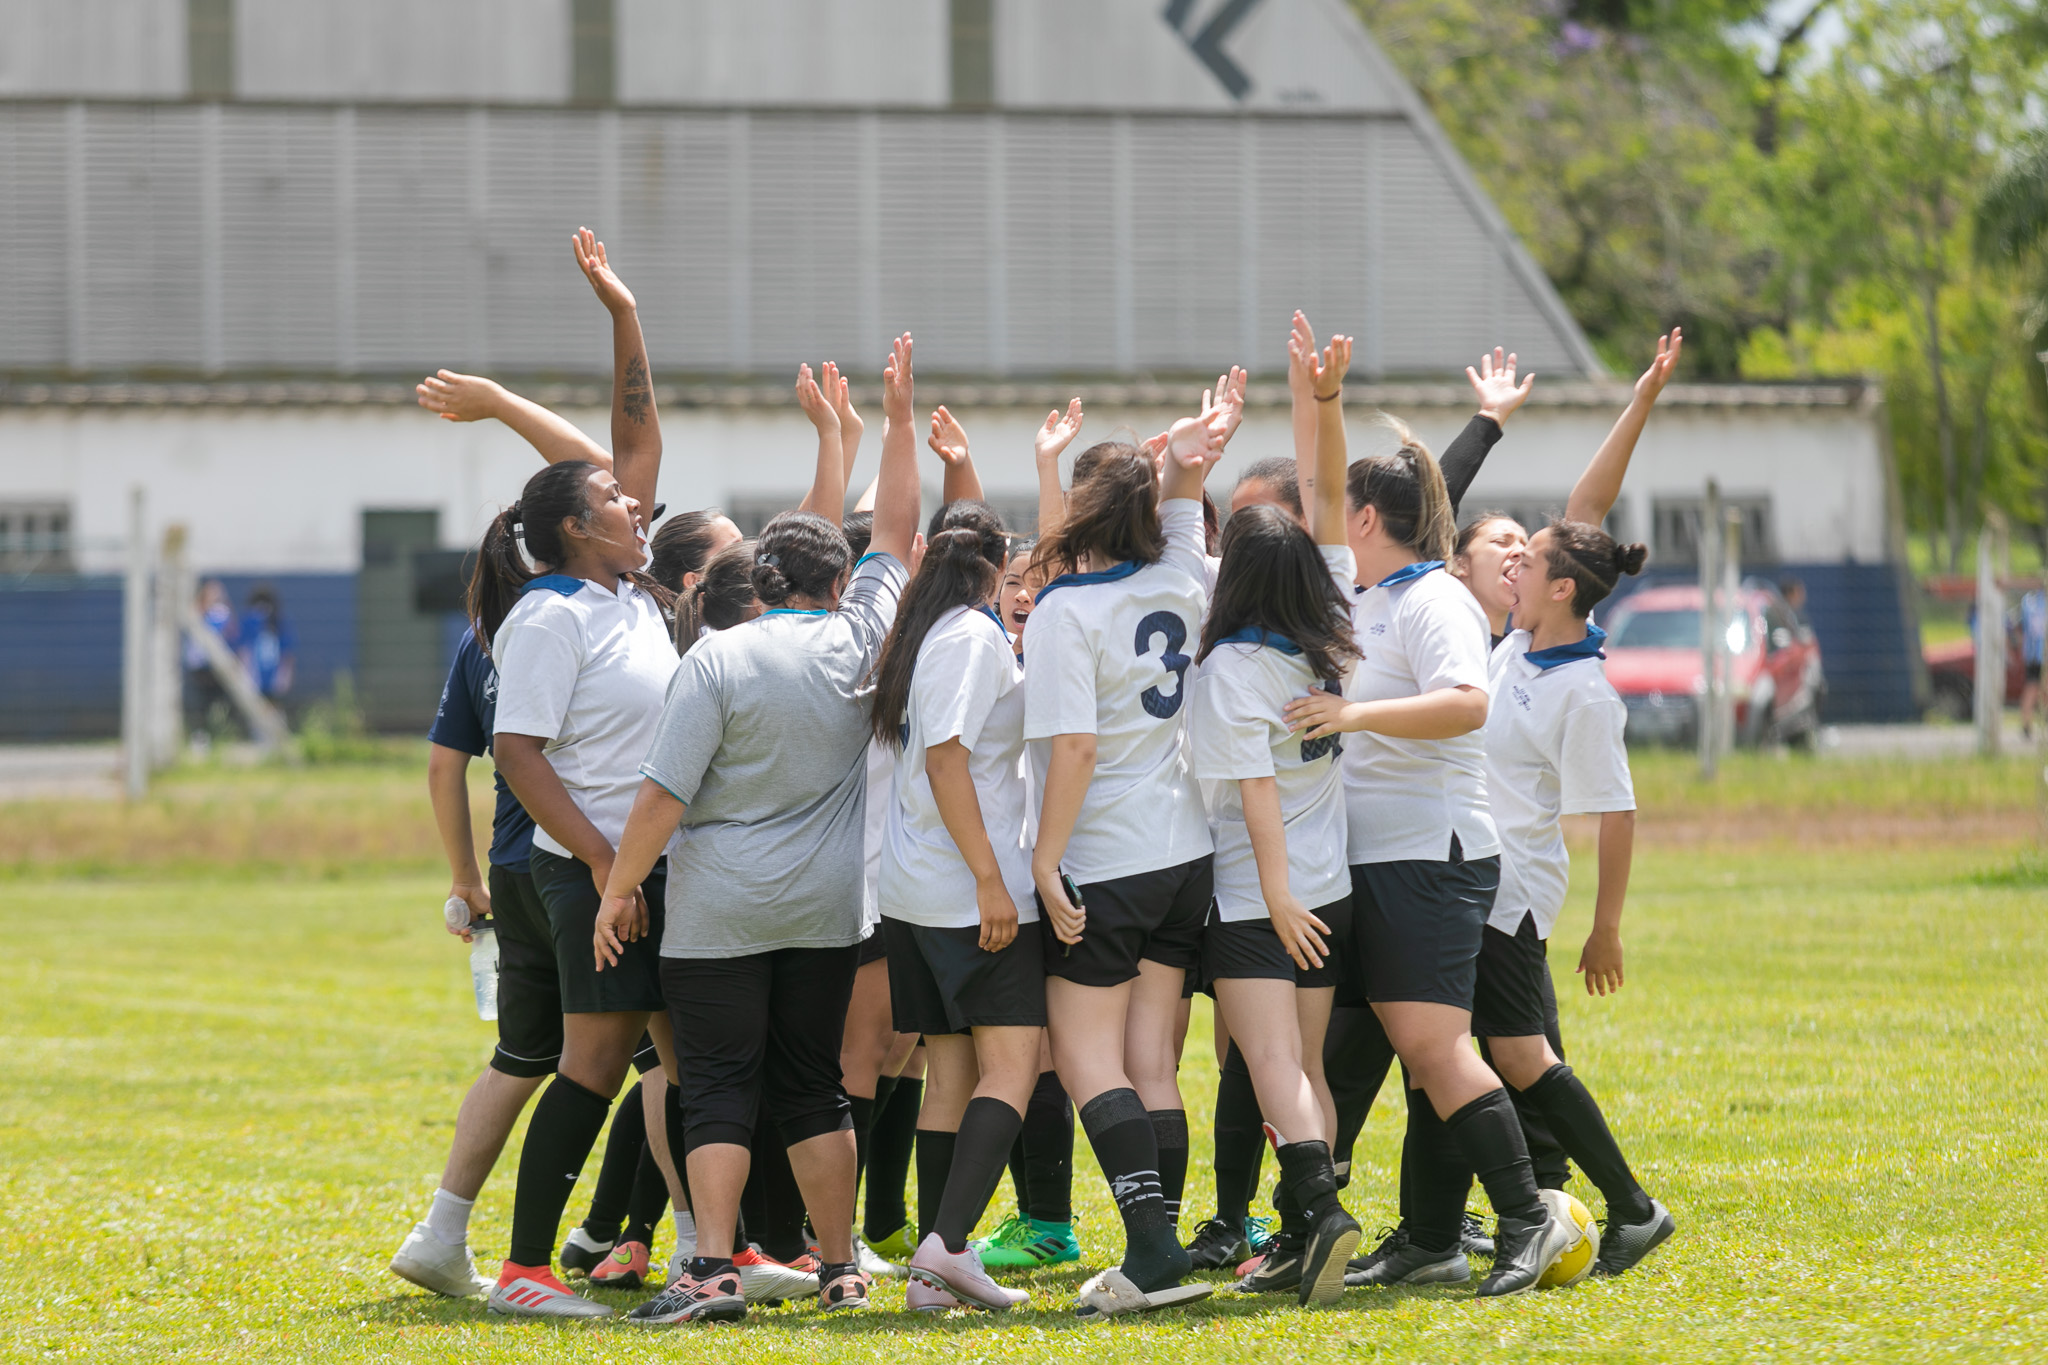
x: 637, y: 391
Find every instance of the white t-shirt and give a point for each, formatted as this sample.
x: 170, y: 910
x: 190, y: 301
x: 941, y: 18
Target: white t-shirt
x: 1553, y: 748
x: 1107, y: 654
x: 585, y: 670
x: 967, y: 686
x: 1239, y: 733
x: 1417, y: 633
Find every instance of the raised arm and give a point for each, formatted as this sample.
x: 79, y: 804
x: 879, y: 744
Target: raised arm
x: 472, y: 398
x: 1228, y: 399
x: 1493, y: 384
x: 1594, y: 495
x: 828, y: 483
x: 1046, y: 448
x: 636, y: 427
x: 1193, y: 446
x: 949, y: 442
x: 850, y: 426
x: 896, y: 492
x: 1321, y: 377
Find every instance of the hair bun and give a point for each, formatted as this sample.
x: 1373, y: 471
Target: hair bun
x: 1630, y: 558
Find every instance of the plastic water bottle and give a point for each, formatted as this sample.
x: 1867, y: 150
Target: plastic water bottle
x: 483, y: 968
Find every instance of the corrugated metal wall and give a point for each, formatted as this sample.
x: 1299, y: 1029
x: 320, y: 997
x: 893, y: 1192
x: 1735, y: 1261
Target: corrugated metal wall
x: 345, y: 239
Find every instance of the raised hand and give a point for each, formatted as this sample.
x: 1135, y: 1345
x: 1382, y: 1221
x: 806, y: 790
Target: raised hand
x: 459, y: 397
x: 1301, y: 351
x: 1659, y: 374
x: 850, y: 425
x: 948, y: 439
x: 1058, y: 432
x: 897, y: 386
x: 611, y: 291
x: 1494, y: 383
x: 1197, y: 442
x: 812, y: 400
x: 1322, y: 374
x: 1228, y: 397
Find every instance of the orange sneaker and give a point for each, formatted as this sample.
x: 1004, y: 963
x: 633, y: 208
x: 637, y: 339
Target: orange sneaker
x: 625, y: 1268
x: 532, y: 1291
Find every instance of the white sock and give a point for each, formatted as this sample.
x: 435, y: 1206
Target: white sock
x: 449, y: 1218
x: 686, y: 1232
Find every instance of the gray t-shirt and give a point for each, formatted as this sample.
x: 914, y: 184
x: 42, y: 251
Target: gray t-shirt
x: 764, y: 737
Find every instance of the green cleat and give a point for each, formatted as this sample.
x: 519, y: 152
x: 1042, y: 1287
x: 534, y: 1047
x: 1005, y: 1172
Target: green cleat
x: 897, y: 1246
x: 1026, y: 1244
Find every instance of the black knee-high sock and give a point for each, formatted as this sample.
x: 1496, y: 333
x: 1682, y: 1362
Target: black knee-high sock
x: 1356, y: 1056
x: 863, y: 1127
x: 889, y: 1148
x: 1489, y: 1136
x: 775, y: 1218
x: 986, y: 1131
x: 1553, y: 1168
x: 564, y: 1128
x: 1575, y: 1118
x: 1240, y: 1140
x: 934, y: 1168
x: 650, y: 1198
x: 1020, y: 1178
x: 677, y: 1155
x: 1048, y: 1140
x: 1121, y: 1133
x: 611, y: 1198
x: 1434, y: 1178
x: 1170, y: 1132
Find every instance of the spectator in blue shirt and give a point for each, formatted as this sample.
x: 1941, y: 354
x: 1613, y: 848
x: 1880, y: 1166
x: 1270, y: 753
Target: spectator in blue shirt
x: 267, y: 644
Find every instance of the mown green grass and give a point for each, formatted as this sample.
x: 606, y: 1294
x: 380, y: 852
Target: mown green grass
x: 223, y: 1101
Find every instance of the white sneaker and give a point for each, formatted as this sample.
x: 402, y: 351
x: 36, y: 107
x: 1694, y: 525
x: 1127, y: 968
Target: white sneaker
x: 432, y: 1264
x: 766, y: 1280
x: 873, y: 1262
x: 582, y: 1252
x: 920, y: 1297
x: 541, y: 1295
x: 961, y: 1274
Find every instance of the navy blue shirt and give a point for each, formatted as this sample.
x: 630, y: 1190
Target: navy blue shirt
x: 469, y: 709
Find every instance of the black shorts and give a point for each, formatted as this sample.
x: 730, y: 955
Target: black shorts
x: 1147, y: 916
x: 1513, y: 997
x: 2033, y: 672
x: 874, y: 948
x: 529, y: 992
x: 1416, y: 930
x: 940, y: 980
x: 645, y: 1057
x: 571, y: 898
x: 761, y: 1032
x: 1248, y: 949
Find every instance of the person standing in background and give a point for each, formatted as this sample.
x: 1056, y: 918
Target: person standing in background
x: 267, y: 644
x: 2033, y: 644
x: 203, y: 691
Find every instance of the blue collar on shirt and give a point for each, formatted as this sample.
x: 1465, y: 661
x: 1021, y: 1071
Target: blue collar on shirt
x: 797, y: 611
x: 553, y: 582
x: 1255, y: 635
x: 1409, y: 574
x: 989, y: 612
x: 1082, y: 580
x: 1588, y: 648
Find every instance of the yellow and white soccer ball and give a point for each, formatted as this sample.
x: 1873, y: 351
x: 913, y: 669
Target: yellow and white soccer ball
x: 1577, y: 1261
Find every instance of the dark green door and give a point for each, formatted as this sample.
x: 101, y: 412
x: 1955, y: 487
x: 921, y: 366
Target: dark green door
x: 400, y: 650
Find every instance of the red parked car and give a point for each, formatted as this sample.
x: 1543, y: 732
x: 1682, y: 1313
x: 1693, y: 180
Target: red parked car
x: 1653, y: 660
x: 1952, y: 674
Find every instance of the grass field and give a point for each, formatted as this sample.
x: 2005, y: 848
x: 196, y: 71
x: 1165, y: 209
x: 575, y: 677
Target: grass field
x: 232, y: 1037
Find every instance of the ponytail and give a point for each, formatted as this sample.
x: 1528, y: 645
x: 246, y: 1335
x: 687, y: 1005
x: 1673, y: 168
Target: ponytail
x: 799, y: 554
x: 499, y: 577
x: 960, y: 569
x: 1407, y: 489
x: 1593, y: 560
x: 722, y: 596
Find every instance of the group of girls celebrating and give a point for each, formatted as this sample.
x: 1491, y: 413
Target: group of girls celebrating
x: 806, y: 802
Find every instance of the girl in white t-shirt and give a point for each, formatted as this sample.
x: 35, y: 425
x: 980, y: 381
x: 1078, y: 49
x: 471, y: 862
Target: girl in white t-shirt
x: 1554, y: 748
x: 1122, y: 865
x: 1425, y: 865
x: 1280, y: 627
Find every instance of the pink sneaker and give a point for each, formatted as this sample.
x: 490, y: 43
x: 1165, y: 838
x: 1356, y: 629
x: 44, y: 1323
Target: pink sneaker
x: 960, y: 1273
x: 624, y: 1268
x: 920, y: 1297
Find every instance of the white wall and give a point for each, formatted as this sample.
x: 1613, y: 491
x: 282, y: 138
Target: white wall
x: 861, y: 52
x: 513, y: 50
x: 277, y: 490
x: 119, y: 48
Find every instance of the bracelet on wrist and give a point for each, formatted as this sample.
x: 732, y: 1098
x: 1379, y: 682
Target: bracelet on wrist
x: 1330, y: 397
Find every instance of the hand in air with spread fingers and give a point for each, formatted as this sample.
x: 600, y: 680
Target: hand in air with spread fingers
x: 1057, y: 434
x: 1652, y: 381
x: 810, y: 396
x: 611, y: 290
x: 1494, y: 384
x: 948, y: 439
x: 1228, y: 398
x: 1319, y: 373
x: 458, y: 397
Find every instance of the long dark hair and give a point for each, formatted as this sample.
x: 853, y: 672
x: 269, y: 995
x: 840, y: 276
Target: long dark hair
x: 960, y: 569
x: 1273, y: 579
x: 799, y: 554
x: 1593, y: 560
x: 1113, y: 514
x: 683, y: 546
x: 722, y: 596
x: 1407, y: 489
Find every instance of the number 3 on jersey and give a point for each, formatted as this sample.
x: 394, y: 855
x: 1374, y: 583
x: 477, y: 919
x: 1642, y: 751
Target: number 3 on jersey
x: 1166, y: 626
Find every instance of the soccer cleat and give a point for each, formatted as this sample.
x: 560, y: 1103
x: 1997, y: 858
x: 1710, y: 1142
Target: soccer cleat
x: 1330, y: 1244
x: 717, y: 1297
x: 582, y: 1253
x: 1397, y: 1260
x: 1279, y: 1270
x: 525, y: 1291
x: 1012, y: 1229
x: 1523, y: 1250
x: 960, y: 1273
x: 1623, y: 1246
x: 1217, y: 1244
x: 432, y: 1264
x: 920, y: 1297
x: 625, y: 1268
x: 1474, y: 1239
x: 1258, y: 1233
x: 1034, y: 1244
x: 767, y: 1281
x: 873, y: 1265
x: 897, y: 1246
x: 846, y: 1290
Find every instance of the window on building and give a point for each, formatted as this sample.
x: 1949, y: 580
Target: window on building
x: 593, y: 44
x: 210, y: 48
x: 973, y: 54
x: 35, y: 537
x: 1675, y: 535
